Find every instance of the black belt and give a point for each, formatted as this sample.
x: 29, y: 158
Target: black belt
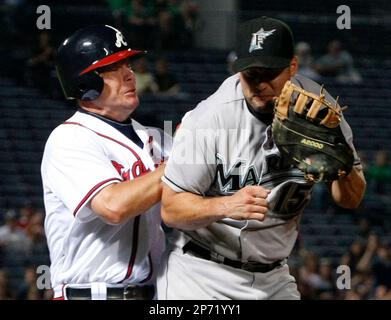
x: 125, y: 293
x: 250, y: 266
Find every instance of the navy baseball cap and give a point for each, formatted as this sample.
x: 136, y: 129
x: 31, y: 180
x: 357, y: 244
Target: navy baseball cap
x: 263, y: 42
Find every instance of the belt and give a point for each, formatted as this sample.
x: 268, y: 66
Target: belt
x: 125, y: 293
x: 251, y: 266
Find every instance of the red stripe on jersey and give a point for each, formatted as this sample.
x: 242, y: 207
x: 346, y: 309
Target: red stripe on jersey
x: 62, y: 297
x: 132, y: 259
x: 107, y: 137
x: 92, y: 191
x: 150, y: 269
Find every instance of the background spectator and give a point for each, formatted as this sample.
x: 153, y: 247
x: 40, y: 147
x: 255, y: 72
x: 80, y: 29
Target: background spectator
x: 306, y: 60
x: 379, y: 173
x: 353, y: 256
x: 167, y: 32
x: 145, y: 82
x: 5, y: 291
x: 13, y: 240
x: 40, y: 64
x: 28, y: 289
x: 381, y: 268
x: 141, y: 19
x: 166, y: 82
x: 190, y: 15
x: 337, y: 63
x: 231, y: 57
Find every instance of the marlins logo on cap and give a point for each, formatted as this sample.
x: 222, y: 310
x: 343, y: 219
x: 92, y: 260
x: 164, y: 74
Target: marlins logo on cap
x: 263, y: 42
x: 258, y: 38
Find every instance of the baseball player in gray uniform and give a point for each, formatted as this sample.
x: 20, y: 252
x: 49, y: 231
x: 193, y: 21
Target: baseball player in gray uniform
x: 233, y: 201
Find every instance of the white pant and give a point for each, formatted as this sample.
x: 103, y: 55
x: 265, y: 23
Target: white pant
x: 186, y: 277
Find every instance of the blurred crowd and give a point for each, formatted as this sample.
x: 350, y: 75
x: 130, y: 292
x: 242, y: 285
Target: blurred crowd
x: 365, y: 272
x: 369, y: 254
x: 22, y: 249
x: 157, y: 24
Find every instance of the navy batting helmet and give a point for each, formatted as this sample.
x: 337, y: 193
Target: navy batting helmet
x: 81, y: 54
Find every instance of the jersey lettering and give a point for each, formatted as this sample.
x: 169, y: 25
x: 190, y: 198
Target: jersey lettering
x: 139, y: 169
x: 274, y: 163
x: 125, y: 174
x: 250, y: 177
x: 229, y: 181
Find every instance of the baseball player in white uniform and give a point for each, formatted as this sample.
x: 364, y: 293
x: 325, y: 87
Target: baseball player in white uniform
x: 101, y: 173
x: 234, y: 202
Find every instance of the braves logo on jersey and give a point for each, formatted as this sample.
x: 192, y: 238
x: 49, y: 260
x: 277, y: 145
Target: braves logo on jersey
x: 138, y: 169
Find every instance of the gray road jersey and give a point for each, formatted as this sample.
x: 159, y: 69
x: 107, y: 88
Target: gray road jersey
x: 221, y: 147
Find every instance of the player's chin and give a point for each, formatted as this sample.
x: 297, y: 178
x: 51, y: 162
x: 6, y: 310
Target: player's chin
x: 261, y: 104
x: 132, y: 102
x: 264, y: 110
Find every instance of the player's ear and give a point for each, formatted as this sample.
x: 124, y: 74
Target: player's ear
x: 294, y: 66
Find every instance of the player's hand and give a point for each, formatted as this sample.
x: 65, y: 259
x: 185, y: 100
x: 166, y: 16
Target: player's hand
x: 248, y: 203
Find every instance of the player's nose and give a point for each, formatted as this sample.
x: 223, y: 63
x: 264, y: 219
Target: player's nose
x: 127, y: 73
x: 259, y: 87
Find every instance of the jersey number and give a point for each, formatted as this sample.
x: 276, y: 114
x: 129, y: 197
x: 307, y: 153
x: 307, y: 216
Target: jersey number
x: 292, y: 200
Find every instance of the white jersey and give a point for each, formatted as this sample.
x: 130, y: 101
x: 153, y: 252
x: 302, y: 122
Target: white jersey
x: 82, y: 156
x: 221, y: 147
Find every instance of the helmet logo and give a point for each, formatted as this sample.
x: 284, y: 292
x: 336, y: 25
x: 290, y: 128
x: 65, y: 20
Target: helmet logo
x: 120, y: 40
x: 119, y: 37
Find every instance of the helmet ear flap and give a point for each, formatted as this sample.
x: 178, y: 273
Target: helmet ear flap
x: 90, y: 86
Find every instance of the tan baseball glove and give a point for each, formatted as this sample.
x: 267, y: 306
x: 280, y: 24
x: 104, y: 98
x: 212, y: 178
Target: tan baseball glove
x: 306, y: 129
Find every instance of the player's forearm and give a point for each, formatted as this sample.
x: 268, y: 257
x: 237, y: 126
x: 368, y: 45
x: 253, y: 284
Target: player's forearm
x: 119, y: 202
x: 188, y: 211
x: 348, y: 192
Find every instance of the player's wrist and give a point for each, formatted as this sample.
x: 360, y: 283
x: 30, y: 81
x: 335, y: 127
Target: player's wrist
x: 217, y: 208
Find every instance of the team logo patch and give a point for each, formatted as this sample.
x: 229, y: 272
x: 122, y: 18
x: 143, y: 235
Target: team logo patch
x: 258, y: 38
